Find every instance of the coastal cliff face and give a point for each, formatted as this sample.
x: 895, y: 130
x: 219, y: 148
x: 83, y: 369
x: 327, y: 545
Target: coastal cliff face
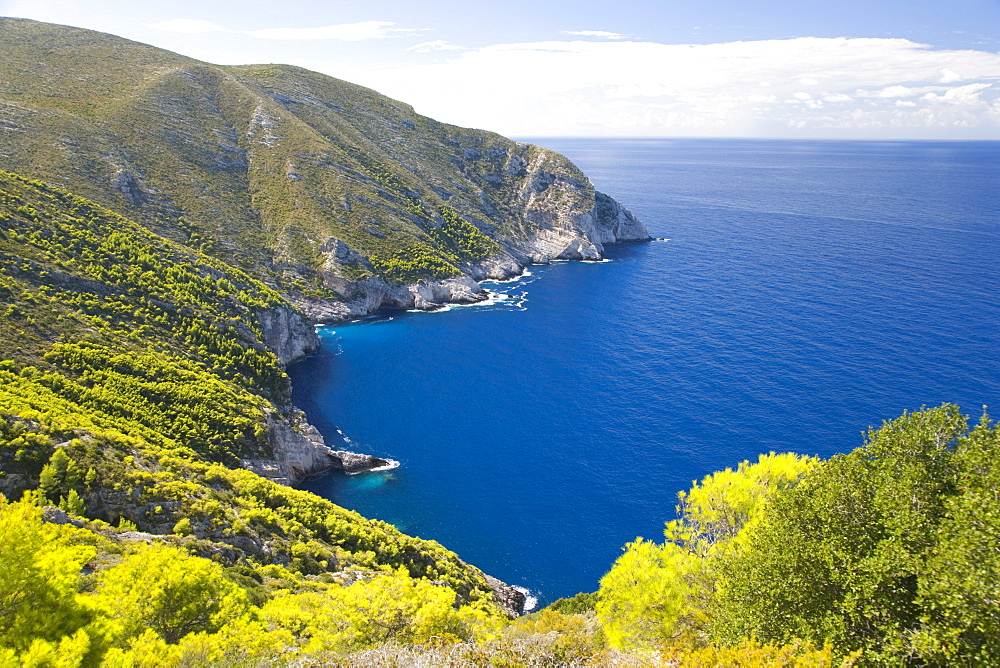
x: 300, y: 452
x: 288, y: 334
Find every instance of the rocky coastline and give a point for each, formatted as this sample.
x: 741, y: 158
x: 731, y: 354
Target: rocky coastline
x: 553, y: 213
x: 561, y: 217
x: 300, y: 452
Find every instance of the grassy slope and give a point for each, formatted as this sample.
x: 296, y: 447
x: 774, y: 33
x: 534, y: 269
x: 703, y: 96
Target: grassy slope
x: 143, y: 359
x: 259, y: 165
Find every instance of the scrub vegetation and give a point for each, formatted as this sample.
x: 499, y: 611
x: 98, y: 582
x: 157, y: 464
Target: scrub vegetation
x: 885, y: 555
x: 134, y: 382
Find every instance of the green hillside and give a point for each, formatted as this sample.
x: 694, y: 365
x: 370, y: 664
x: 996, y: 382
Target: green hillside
x: 134, y: 381
x: 309, y: 183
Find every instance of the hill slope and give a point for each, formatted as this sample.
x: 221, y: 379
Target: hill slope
x: 135, y: 384
x: 343, y: 199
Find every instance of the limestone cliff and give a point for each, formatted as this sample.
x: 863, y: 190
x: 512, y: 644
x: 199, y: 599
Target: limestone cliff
x: 286, y: 333
x: 300, y: 452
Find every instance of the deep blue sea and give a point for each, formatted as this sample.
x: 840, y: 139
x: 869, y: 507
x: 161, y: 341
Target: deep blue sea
x: 808, y: 289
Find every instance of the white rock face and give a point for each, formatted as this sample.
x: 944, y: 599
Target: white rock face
x: 301, y: 452
x: 615, y: 223
x: 431, y: 294
x: 572, y: 220
x: 361, y: 298
x: 497, y: 268
x: 288, y: 334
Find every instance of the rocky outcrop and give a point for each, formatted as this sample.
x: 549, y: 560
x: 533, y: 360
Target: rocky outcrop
x: 128, y: 186
x: 569, y: 219
x: 613, y: 223
x: 510, y: 599
x: 288, y: 334
x: 360, y: 298
x: 300, y: 452
x: 58, y: 516
x: 298, y: 448
x: 12, y: 485
x: 355, y: 462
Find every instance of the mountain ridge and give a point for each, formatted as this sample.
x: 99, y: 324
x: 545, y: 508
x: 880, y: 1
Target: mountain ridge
x: 344, y: 200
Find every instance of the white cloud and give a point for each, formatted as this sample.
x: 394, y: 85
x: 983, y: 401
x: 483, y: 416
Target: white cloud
x: 948, y: 76
x: 896, y: 91
x: 603, y: 34
x: 436, y: 45
x: 960, y: 95
x: 738, y: 88
x: 187, y: 26
x: 350, y: 32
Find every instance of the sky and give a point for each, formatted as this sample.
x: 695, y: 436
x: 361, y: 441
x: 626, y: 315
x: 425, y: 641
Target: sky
x: 868, y: 69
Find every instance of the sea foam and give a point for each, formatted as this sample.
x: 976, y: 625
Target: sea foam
x: 530, y: 602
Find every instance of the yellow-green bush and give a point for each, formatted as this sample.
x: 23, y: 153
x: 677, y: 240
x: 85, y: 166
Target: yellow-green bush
x: 752, y: 654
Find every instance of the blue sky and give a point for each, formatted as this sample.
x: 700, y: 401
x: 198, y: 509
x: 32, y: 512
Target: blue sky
x: 777, y: 68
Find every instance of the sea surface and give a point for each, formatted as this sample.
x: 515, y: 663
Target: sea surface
x: 808, y: 290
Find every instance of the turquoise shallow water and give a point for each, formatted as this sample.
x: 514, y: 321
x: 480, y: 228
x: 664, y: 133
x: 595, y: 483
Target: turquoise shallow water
x: 808, y: 290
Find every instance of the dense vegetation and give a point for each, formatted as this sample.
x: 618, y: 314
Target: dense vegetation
x: 86, y: 595
x: 136, y: 332
x: 888, y: 552
x: 134, y: 382
x: 152, y: 603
